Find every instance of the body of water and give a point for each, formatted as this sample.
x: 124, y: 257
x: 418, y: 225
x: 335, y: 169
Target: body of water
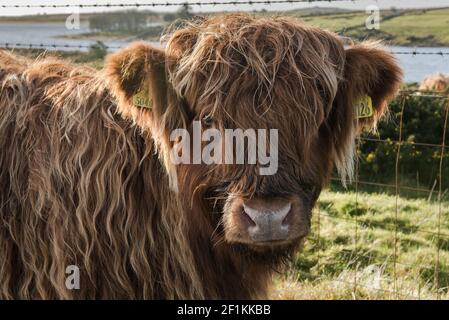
x: 50, y: 34
x: 416, y: 67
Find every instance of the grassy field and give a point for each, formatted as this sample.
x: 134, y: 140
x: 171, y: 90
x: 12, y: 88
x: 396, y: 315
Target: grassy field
x: 429, y: 27
x: 407, y: 27
x: 371, y: 246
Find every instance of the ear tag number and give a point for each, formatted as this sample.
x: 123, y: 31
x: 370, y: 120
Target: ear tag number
x: 142, y: 100
x: 364, y: 107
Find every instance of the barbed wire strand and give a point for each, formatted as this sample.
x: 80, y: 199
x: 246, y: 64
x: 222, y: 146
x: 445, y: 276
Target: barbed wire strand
x: 412, y: 143
x: 11, y: 45
x: 386, y: 185
x: 167, y: 4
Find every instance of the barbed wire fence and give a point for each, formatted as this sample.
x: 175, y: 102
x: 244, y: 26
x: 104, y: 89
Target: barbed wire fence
x: 144, y: 4
x: 321, y: 215
x: 47, y: 46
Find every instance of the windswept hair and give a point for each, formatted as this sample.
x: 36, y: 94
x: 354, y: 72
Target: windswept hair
x: 82, y: 186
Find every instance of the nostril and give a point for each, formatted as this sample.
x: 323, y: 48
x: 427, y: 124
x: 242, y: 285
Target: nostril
x: 287, y: 217
x: 248, y: 219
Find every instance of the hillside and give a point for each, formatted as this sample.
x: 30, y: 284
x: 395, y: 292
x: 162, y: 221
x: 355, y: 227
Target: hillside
x: 405, y: 27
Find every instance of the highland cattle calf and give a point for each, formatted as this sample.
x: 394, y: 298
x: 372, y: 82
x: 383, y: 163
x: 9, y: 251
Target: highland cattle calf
x: 435, y: 82
x: 86, y: 173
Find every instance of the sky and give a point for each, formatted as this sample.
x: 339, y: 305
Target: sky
x: 354, y: 5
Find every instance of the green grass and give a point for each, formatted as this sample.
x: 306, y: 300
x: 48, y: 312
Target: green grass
x: 337, y: 22
x: 149, y: 34
x: 418, y: 26
x: 408, y: 28
x: 371, y: 246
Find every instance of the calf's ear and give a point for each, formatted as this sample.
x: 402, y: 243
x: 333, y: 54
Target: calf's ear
x: 137, y: 78
x: 372, y: 78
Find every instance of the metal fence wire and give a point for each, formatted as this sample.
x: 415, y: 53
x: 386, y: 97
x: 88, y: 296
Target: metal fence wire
x: 393, y: 227
x: 50, y: 46
x: 168, y: 4
x: 323, y: 218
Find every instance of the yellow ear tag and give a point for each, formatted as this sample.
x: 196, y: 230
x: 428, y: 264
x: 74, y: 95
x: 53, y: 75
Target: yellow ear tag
x: 142, y: 100
x: 364, y: 107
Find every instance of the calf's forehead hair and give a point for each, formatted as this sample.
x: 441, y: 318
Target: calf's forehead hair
x: 220, y: 59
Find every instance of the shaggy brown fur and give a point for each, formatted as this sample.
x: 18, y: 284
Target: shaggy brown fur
x: 437, y: 82
x: 85, y: 175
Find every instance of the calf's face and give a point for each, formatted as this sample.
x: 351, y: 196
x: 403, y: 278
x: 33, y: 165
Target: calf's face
x: 291, y: 90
